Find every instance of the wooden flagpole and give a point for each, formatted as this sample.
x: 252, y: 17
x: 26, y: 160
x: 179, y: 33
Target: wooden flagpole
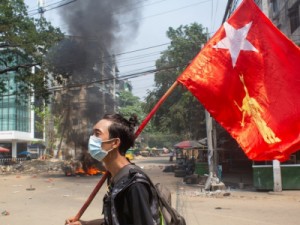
x: 155, y: 108
x: 139, y: 130
x: 91, y: 197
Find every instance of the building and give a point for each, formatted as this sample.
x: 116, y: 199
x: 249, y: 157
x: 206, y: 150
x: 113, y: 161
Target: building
x: 88, y: 93
x: 284, y: 15
x: 17, y: 118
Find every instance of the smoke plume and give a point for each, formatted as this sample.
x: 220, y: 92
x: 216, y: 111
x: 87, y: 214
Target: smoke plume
x: 97, y: 29
x: 108, y: 22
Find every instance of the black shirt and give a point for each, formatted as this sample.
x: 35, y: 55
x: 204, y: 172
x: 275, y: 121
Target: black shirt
x: 129, y: 201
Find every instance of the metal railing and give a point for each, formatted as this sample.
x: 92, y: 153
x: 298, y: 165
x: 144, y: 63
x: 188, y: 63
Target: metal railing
x: 8, y: 161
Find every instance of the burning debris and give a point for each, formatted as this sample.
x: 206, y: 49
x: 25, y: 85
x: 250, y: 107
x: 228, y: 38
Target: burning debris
x: 85, y: 165
x: 73, y: 168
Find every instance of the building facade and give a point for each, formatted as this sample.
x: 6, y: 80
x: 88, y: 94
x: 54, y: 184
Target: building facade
x: 88, y: 93
x: 285, y: 15
x: 17, y: 118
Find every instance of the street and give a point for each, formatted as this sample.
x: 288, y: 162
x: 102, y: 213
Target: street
x: 50, y: 198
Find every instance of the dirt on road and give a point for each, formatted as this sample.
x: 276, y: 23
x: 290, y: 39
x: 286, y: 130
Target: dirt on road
x: 49, y: 197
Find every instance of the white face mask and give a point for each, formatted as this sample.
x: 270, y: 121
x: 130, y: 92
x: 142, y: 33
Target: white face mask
x: 95, y: 148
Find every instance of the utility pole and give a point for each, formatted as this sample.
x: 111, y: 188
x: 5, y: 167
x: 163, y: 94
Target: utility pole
x: 211, y: 132
x: 41, y: 9
x: 212, y: 156
x: 102, y: 83
x: 114, y: 73
x: 227, y: 10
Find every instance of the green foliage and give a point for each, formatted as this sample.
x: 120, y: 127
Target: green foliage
x: 126, y: 99
x: 161, y: 140
x: 48, y: 123
x: 132, y: 105
x: 129, y: 105
x: 24, y: 42
x: 181, y: 113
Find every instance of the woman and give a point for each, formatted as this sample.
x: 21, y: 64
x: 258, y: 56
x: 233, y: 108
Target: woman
x: 130, y: 198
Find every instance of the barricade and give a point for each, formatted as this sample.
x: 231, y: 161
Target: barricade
x: 9, y: 161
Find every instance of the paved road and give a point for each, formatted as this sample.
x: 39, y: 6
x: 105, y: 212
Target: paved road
x: 56, y: 197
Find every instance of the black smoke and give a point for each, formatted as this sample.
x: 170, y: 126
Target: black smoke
x: 96, y: 29
x: 111, y: 23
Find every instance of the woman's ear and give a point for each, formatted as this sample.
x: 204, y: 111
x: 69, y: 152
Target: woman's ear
x: 116, y: 143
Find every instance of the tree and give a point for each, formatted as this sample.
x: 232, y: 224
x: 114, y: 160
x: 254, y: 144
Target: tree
x: 130, y: 105
x: 48, y: 124
x: 181, y: 113
x: 24, y: 42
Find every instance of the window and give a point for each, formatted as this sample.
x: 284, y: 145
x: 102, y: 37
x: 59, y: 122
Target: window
x: 294, y: 17
x: 275, y: 6
x: 14, y: 110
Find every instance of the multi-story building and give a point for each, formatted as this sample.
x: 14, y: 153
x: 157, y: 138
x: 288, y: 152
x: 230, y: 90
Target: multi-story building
x: 89, y: 93
x: 269, y: 174
x: 17, y: 118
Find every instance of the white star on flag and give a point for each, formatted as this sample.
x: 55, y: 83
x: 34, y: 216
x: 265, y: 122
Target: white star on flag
x: 235, y: 41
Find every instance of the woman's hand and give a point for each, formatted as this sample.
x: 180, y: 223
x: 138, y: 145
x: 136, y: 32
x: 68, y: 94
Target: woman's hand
x: 71, y: 221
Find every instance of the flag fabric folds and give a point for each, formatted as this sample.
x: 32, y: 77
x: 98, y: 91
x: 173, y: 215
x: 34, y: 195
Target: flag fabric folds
x: 248, y: 77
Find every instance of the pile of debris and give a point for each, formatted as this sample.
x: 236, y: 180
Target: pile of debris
x: 83, y: 166
x: 35, y: 166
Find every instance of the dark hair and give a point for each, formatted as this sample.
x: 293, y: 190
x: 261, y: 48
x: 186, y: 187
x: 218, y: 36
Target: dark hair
x: 121, y: 128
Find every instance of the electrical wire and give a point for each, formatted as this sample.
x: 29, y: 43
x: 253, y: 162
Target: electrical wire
x: 55, y: 3
x: 55, y: 7
x: 166, y: 12
x: 121, y: 78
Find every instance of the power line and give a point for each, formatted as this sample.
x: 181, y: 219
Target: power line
x: 151, y: 16
x: 55, y: 7
x: 142, y: 49
x: 55, y: 3
x: 124, y: 7
x: 137, y: 63
x: 139, y: 56
x: 136, y: 70
x: 166, y: 12
x: 125, y: 77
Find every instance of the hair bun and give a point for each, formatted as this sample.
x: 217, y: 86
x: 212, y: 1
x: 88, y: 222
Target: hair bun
x: 133, y: 120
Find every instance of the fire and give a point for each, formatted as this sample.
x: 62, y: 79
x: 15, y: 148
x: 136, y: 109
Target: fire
x: 93, y: 171
x: 79, y: 171
x: 90, y: 171
x: 85, y: 166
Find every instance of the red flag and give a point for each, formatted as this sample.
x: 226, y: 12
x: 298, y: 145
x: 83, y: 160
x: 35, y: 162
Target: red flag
x: 248, y: 78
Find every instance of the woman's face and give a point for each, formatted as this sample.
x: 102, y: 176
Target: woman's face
x: 100, y: 130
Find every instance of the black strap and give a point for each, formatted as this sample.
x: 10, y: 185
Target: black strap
x: 125, y: 172
x: 122, y: 173
x: 162, y: 200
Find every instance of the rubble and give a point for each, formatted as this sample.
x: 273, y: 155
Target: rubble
x: 34, y: 166
x: 204, y: 193
x: 30, y: 188
x: 83, y: 166
x: 5, y: 213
